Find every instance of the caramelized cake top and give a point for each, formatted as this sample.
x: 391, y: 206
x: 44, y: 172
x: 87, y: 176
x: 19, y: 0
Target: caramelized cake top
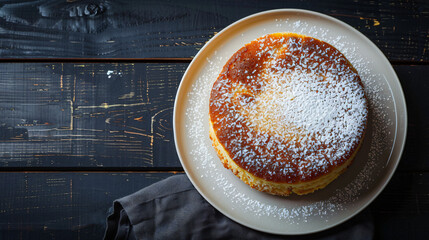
x: 288, y: 108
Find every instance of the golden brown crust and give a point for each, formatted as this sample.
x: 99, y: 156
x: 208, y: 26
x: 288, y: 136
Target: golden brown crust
x: 287, y: 114
x: 281, y: 189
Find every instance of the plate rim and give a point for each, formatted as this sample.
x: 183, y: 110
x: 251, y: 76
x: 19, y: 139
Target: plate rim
x: 399, y: 92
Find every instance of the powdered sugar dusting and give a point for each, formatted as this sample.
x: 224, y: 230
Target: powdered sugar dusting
x: 299, y: 111
x: 325, y: 204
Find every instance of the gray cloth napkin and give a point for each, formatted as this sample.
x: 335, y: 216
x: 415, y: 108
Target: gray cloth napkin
x: 173, y: 209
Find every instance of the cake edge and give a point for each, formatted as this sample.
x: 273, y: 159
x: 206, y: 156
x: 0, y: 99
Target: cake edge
x: 278, y: 188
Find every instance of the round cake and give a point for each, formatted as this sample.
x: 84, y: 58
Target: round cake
x: 288, y: 113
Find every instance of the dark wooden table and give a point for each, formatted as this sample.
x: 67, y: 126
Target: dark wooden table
x: 86, y: 101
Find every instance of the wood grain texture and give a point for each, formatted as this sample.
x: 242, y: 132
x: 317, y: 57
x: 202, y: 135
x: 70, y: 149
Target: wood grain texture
x: 88, y: 114
x: 402, y: 209
x: 177, y: 29
x: 89, y: 125
x: 415, y: 85
x: 120, y: 115
x: 63, y: 205
x: 75, y: 205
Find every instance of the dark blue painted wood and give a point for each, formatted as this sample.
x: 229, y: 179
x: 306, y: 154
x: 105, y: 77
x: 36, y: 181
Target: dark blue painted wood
x: 120, y: 115
x: 75, y: 205
x: 63, y: 205
x: 165, y: 28
x: 63, y: 117
x: 88, y: 114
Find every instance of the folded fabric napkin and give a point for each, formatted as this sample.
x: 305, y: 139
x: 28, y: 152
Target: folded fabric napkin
x: 173, y: 209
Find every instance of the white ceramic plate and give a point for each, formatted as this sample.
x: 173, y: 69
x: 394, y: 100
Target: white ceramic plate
x: 346, y: 196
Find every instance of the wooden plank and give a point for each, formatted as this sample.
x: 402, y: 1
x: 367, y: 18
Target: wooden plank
x: 75, y: 205
x: 415, y: 84
x: 88, y: 114
x: 406, y: 194
x: 178, y: 29
x: 120, y: 114
x: 402, y: 210
x: 63, y: 205
x: 401, y: 226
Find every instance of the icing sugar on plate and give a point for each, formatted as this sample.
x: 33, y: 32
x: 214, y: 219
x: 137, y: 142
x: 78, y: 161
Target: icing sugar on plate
x: 343, y: 198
